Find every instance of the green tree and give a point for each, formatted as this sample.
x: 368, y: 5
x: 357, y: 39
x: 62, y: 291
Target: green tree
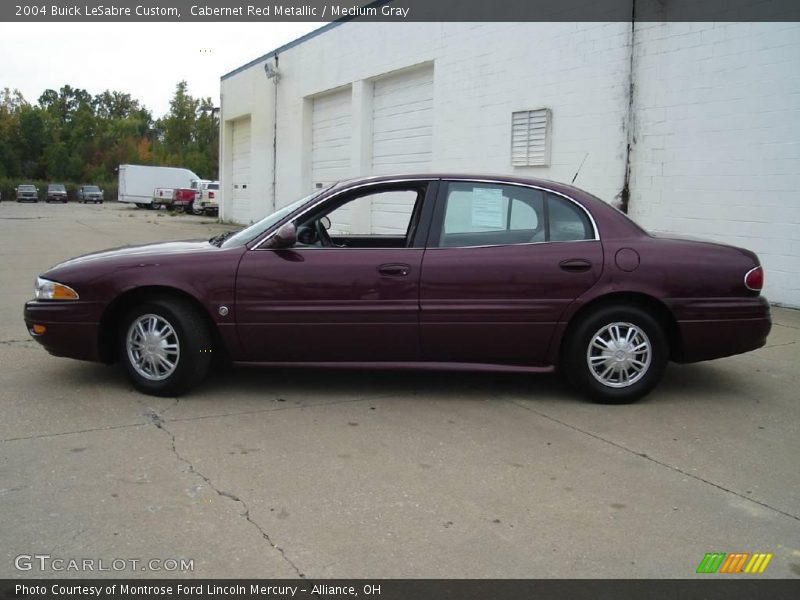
x: 10, y: 106
x: 72, y: 136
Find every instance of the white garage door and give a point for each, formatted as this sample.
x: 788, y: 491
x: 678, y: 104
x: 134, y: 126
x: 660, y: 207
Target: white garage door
x: 402, y: 135
x: 331, y: 138
x: 402, y: 127
x: 240, y: 194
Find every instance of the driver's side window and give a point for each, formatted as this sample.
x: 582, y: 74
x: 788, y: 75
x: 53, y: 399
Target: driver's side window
x: 382, y: 219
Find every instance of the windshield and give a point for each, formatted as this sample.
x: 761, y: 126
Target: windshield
x: 256, y: 229
x: 56, y: 187
x: 27, y: 188
x: 212, y: 186
x: 91, y: 188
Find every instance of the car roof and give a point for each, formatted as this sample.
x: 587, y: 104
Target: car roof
x: 539, y: 182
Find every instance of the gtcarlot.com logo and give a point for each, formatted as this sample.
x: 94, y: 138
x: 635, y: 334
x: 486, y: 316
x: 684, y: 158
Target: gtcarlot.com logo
x: 46, y: 562
x: 735, y: 562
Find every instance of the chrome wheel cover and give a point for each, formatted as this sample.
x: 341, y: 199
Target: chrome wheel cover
x: 153, y: 347
x: 619, y: 354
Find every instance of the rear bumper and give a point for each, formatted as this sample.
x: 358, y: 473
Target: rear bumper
x: 71, y: 328
x: 717, y: 327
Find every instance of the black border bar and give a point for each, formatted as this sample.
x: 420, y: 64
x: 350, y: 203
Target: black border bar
x: 715, y: 587
x: 397, y: 10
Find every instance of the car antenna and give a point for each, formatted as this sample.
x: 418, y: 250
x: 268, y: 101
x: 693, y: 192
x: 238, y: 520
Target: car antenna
x: 579, y: 168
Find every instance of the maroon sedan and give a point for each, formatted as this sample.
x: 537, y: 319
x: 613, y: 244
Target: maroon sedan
x: 427, y: 271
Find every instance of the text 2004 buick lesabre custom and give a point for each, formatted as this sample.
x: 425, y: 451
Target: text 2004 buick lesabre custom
x: 431, y: 271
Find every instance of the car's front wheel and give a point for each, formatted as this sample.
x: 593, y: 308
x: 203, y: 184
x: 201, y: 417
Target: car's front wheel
x: 165, y: 346
x: 616, y: 354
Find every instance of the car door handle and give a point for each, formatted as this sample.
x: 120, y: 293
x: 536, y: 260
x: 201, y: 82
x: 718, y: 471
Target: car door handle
x: 394, y: 270
x: 575, y: 265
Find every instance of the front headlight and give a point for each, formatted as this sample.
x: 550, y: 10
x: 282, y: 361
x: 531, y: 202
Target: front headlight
x: 51, y: 290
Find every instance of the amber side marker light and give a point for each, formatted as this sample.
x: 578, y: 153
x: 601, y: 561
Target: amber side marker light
x: 52, y: 290
x: 38, y: 329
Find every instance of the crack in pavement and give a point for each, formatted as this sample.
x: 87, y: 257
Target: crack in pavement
x: 158, y: 422
x: 655, y: 460
x: 60, y: 433
x: 779, y: 345
x: 277, y: 408
x: 197, y: 418
x: 9, y: 342
x: 95, y: 229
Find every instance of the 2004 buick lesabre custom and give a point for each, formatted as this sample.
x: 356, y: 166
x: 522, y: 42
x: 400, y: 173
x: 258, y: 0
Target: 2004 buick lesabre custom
x: 430, y: 271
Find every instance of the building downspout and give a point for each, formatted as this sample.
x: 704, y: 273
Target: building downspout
x: 625, y: 193
x: 275, y: 139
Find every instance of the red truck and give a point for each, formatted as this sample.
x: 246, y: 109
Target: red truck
x: 181, y: 198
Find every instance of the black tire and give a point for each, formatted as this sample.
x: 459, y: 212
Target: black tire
x: 575, y: 360
x: 194, y: 344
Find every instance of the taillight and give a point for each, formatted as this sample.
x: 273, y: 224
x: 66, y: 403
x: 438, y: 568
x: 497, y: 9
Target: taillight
x: 754, y: 279
x: 211, y: 195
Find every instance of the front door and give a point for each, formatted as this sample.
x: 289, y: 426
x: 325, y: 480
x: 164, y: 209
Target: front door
x: 347, y: 291
x: 503, y: 263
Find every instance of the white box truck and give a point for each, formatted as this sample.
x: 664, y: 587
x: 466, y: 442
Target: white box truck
x: 138, y: 182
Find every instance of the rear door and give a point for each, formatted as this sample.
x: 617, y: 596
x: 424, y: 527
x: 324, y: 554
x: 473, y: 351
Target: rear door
x: 503, y: 262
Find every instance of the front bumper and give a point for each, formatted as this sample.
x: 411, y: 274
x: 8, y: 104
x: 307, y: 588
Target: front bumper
x: 72, y: 328
x: 717, y: 327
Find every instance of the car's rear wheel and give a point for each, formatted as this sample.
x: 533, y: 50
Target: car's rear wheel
x: 165, y: 346
x: 616, y: 354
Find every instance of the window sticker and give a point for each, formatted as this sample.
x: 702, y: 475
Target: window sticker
x: 487, y: 208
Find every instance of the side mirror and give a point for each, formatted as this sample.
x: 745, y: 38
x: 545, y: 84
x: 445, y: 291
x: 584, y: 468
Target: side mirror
x: 326, y: 222
x: 285, y: 237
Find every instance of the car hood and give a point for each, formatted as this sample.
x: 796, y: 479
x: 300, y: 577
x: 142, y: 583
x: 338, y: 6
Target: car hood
x: 134, y: 254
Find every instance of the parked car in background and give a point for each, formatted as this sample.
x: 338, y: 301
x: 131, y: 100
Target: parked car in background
x: 207, y: 199
x: 89, y: 193
x: 56, y: 192
x: 27, y: 193
x: 413, y: 271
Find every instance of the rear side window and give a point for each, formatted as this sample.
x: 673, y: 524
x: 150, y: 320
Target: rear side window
x: 485, y: 214
x: 480, y: 214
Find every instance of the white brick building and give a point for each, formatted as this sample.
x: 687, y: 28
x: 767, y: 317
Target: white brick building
x: 710, y: 111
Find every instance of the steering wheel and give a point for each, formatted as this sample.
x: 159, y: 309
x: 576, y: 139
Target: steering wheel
x: 322, y: 234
